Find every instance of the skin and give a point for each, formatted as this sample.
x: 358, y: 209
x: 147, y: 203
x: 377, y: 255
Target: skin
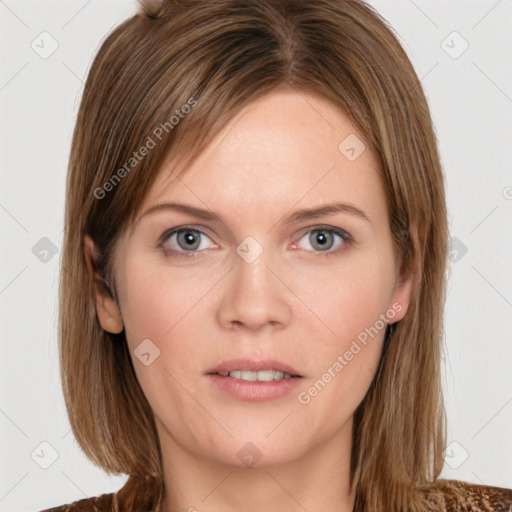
x: 293, y: 303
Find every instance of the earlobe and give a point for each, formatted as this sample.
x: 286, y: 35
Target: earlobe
x: 108, y: 313
x: 107, y: 310
x: 403, y: 286
x: 401, y: 298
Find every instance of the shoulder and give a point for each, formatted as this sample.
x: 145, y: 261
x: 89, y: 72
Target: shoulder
x: 140, y: 493
x: 458, y: 496
x: 469, y: 497
x: 95, y: 504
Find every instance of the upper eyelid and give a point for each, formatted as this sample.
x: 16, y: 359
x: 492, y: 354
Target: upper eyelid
x: 203, y: 230
x: 169, y: 232
x: 325, y: 227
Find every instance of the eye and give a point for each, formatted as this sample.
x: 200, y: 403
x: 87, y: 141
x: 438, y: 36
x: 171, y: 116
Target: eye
x: 323, y: 238
x: 187, y: 241
x: 184, y: 241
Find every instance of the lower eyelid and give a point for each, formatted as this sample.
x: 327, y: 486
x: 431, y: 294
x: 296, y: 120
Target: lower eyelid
x: 345, y: 237
x: 180, y: 252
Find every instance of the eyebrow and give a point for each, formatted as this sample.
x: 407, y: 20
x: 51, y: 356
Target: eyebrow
x: 299, y: 215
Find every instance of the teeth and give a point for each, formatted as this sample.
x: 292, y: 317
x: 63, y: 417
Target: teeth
x: 266, y: 375
x: 263, y: 376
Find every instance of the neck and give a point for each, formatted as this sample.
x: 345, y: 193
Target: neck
x: 316, y: 480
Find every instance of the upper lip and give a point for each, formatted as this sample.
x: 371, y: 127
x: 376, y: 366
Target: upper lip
x: 254, y: 366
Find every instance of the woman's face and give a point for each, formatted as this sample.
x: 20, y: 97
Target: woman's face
x: 305, y: 294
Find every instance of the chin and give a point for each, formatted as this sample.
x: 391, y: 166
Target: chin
x: 255, y: 455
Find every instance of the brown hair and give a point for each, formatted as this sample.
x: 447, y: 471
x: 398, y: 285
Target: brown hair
x: 217, y: 57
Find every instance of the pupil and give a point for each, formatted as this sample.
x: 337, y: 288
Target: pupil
x: 190, y: 241
x: 322, y: 239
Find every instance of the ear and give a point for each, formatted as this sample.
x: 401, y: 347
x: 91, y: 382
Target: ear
x: 403, y: 285
x: 107, y: 310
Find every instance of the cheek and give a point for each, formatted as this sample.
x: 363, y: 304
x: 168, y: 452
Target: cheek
x: 170, y: 308
x: 347, y: 298
x: 156, y: 300
x: 351, y: 300
x: 352, y: 303
x: 162, y: 306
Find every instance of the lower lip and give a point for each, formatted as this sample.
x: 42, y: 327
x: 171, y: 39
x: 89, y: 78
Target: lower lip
x: 254, y: 391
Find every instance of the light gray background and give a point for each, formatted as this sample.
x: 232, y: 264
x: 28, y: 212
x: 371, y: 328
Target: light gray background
x: 470, y: 95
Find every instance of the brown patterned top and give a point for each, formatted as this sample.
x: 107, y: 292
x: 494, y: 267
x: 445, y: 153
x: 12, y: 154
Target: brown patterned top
x: 458, y: 496
x: 468, y: 497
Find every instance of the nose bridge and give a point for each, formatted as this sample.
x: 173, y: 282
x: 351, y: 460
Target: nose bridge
x: 255, y: 296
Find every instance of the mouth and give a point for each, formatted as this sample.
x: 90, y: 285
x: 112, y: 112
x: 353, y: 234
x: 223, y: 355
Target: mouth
x: 260, y: 376
x: 254, y: 381
x: 255, y: 371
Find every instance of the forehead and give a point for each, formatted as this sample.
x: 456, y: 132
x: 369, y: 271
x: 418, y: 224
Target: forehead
x: 285, y: 149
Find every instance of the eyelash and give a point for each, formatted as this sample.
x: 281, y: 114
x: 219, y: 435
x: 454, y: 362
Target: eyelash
x: 346, y: 237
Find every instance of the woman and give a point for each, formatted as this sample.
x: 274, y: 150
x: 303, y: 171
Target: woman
x: 253, y: 272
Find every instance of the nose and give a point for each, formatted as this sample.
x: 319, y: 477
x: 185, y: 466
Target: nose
x: 255, y: 295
